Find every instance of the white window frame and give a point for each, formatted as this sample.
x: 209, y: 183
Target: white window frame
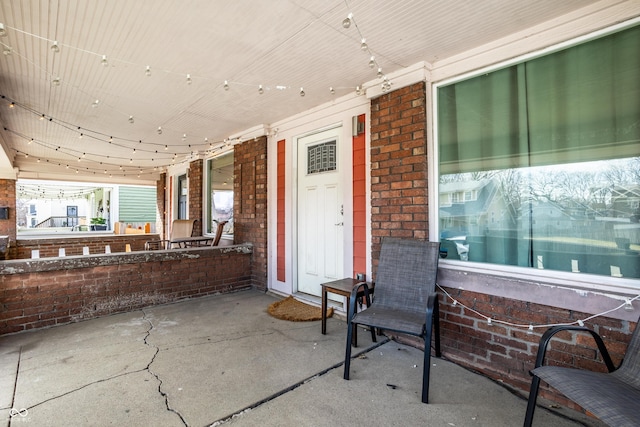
x: 561, y: 279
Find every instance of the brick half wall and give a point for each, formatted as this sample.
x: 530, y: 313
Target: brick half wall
x: 48, y: 292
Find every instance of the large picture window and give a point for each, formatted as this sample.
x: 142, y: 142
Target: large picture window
x: 539, y: 162
x: 220, y: 192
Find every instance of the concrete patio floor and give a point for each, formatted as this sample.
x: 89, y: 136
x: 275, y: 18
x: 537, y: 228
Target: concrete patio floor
x: 222, y: 360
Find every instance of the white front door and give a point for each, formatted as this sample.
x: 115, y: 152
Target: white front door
x: 320, y: 211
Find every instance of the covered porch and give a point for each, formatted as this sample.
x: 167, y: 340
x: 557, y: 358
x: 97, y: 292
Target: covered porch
x: 222, y: 360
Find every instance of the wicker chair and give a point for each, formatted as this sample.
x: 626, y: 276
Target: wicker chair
x: 613, y: 397
x: 405, y: 298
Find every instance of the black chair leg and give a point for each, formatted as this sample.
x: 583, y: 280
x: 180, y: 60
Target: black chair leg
x: 347, y: 353
x: 426, y: 369
x: 531, y: 404
x: 436, y: 324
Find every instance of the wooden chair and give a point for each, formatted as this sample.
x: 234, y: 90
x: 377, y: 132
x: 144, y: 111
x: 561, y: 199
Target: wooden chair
x: 179, y: 228
x: 220, y: 226
x: 405, y: 298
x: 613, y: 397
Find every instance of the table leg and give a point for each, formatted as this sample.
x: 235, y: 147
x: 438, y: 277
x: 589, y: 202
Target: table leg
x: 324, y: 311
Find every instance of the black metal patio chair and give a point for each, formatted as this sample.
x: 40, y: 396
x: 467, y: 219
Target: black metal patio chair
x: 613, y: 397
x: 405, y: 298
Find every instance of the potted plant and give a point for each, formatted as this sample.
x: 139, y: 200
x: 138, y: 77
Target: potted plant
x: 98, y: 224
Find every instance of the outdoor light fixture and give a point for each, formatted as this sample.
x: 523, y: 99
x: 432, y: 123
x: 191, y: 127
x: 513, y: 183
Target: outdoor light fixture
x: 346, y: 22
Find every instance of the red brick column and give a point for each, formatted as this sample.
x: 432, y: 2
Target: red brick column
x: 195, y: 195
x: 250, y: 203
x: 161, y: 206
x: 399, y: 205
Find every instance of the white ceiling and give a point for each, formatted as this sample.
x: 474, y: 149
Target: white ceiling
x: 281, y: 45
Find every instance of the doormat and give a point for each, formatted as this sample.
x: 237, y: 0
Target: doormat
x: 296, y: 311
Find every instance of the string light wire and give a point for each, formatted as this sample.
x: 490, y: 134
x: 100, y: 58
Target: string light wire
x: 492, y: 320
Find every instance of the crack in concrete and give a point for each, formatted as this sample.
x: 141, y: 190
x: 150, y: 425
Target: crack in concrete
x: 292, y: 387
x: 156, y: 376
x: 145, y: 369
x: 83, y: 387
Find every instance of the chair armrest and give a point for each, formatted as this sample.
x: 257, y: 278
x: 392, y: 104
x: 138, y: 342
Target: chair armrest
x: 357, y: 289
x: 549, y: 333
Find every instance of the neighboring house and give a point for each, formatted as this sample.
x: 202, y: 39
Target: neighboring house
x: 549, y: 219
x: 473, y: 208
x: 625, y: 201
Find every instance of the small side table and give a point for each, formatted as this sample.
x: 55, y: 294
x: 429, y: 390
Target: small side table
x: 341, y: 287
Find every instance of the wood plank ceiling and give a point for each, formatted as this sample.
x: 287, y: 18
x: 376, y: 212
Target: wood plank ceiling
x: 282, y: 45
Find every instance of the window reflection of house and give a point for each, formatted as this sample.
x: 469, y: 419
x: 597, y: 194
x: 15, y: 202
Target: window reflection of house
x: 473, y: 208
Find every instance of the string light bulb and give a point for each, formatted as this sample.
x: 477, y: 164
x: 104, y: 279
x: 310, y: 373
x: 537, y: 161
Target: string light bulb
x: 104, y: 61
x: 372, y: 62
x: 54, y: 47
x: 8, y: 50
x: 12, y: 105
x: 147, y: 72
x: 159, y: 131
x: 358, y: 90
x: 95, y: 103
x: 380, y: 74
x: 55, y: 81
x: 189, y: 81
x: 260, y: 90
x: 302, y: 92
x: 363, y: 44
x: 332, y: 91
x: 628, y: 304
x: 226, y: 85
x: 131, y: 119
x: 346, y: 22
x: 3, y: 32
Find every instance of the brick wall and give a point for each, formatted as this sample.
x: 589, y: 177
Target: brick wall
x: 507, y: 353
x: 195, y: 195
x: 398, y: 166
x: 41, y: 293
x: 399, y: 207
x: 250, y: 203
